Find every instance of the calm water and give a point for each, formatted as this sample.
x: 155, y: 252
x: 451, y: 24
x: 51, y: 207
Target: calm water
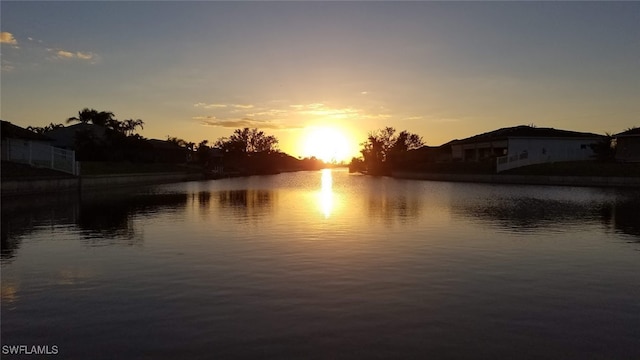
x: 318, y: 265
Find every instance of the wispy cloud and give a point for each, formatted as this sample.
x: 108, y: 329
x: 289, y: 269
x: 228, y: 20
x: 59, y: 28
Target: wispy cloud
x: 239, y: 123
x: 84, y: 56
x: 64, y: 54
x: 57, y: 53
x: 269, y: 113
x: 281, y: 116
x: 209, y: 106
x: 6, y: 66
x: 223, y: 106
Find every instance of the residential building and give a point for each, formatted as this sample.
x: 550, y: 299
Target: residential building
x: 525, y: 145
x: 628, y: 145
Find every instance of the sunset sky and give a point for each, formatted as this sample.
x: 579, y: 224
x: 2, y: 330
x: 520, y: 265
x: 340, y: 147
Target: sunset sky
x: 444, y: 70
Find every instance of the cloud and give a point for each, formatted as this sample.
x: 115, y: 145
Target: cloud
x: 7, y: 38
x: 222, y: 106
x: 84, y: 56
x: 6, y: 66
x: 282, y: 116
x: 64, y: 54
x: 271, y: 113
x: 209, y: 106
x: 239, y: 123
x: 319, y: 109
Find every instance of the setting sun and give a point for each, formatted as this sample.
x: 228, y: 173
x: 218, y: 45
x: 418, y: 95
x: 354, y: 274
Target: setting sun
x: 328, y: 144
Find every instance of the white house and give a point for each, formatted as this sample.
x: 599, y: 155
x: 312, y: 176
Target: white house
x: 525, y: 145
x: 25, y: 146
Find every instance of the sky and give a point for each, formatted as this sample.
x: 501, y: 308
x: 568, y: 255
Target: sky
x: 443, y: 70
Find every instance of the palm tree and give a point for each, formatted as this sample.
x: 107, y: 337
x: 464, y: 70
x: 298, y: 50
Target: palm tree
x: 84, y: 116
x: 129, y: 126
x: 104, y: 118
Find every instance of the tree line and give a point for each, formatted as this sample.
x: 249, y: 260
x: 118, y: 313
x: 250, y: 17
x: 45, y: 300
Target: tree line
x: 385, y: 149
x: 102, y: 118
x: 245, y: 150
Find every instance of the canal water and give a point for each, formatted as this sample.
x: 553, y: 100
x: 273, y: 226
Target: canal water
x: 324, y: 265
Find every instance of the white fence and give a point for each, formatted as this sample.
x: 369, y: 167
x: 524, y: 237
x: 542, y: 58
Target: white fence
x: 42, y: 155
x: 513, y: 161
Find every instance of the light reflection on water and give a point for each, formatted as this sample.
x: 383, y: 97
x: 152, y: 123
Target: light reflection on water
x: 324, y: 265
x: 325, y: 197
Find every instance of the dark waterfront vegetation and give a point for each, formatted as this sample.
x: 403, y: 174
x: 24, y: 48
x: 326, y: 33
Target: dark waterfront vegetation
x: 324, y: 264
x: 105, y: 145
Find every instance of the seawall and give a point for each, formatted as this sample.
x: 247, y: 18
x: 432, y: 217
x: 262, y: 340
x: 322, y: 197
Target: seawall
x: 597, y: 181
x: 37, y: 186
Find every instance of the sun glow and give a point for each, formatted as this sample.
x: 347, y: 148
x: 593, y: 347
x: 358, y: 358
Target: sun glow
x: 328, y: 144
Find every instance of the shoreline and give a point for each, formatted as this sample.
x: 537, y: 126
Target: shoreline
x: 32, y: 186
x: 551, y: 180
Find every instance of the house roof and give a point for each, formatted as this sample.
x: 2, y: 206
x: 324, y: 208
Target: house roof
x: 635, y: 131
x: 66, y: 136
x: 165, y: 145
x: 8, y: 130
x: 523, y: 131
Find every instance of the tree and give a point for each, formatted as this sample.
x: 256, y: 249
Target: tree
x: 605, y: 149
x: 44, y: 129
x: 384, y: 148
x: 177, y: 141
x: 248, y: 141
x: 104, y: 118
x: 86, y: 115
x: 129, y: 126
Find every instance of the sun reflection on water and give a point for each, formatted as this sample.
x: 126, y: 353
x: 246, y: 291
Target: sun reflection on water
x: 325, y: 197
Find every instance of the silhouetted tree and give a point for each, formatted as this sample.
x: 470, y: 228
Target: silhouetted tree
x: 129, y: 126
x: 93, y: 116
x: 203, y: 151
x: 44, y: 129
x: 356, y: 165
x: 605, y: 149
x: 177, y: 141
x: 248, y: 141
x: 384, y: 148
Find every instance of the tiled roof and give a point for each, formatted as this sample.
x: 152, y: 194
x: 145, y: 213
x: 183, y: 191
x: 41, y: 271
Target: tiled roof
x: 635, y: 131
x: 164, y: 144
x: 523, y: 131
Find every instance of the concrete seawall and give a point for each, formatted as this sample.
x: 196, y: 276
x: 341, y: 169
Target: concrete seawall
x: 597, y: 181
x: 37, y: 186
x: 99, y: 181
